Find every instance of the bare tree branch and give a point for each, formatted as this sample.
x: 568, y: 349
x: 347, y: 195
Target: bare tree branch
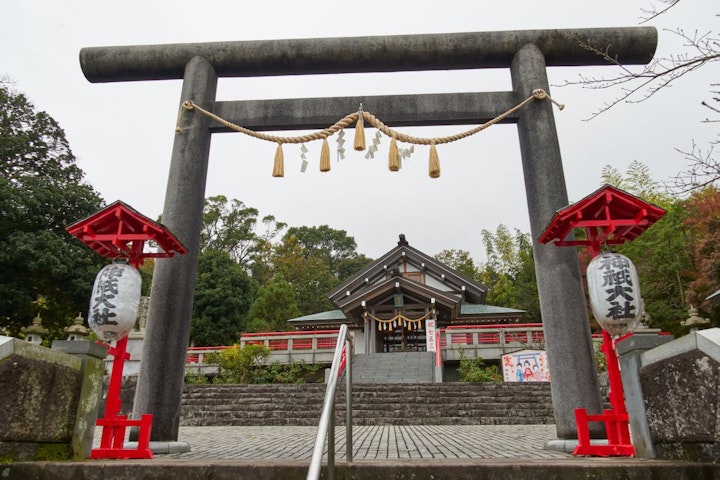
x: 711, y: 107
x: 641, y: 83
x: 703, y: 171
x: 638, y: 86
x: 653, y: 12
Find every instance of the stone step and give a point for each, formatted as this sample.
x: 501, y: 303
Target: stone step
x: 384, y: 396
x: 376, y: 420
x: 397, y: 411
x: 400, y: 367
x: 440, y: 468
x: 357, y: 404
x: 373, y: 404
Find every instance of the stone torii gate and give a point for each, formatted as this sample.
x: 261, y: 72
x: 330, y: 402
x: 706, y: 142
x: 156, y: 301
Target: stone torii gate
x: 526, y: 53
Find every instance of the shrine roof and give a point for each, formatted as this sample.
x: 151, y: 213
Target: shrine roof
x: 465, y: 309
x: 479, y: 309
x: 404, y: 253
x: 322, y: 316
x: 622, y: 215
x: 120, y: 230
x: 401, y: 285
x: 714, y: 297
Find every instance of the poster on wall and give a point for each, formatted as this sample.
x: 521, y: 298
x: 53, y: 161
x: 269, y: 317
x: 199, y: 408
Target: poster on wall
x: 526, y: 366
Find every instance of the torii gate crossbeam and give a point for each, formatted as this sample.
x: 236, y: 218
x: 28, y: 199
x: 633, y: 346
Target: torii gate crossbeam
x: 526, y: 53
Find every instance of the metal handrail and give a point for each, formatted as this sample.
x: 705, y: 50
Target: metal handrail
x: 326, y: 426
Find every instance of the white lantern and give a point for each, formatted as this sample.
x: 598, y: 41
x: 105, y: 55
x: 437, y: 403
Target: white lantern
x: 614, y: 293
x: 114, y: 301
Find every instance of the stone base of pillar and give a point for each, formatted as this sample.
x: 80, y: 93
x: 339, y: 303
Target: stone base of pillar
x: 568, y: 446
x: 162, y: 448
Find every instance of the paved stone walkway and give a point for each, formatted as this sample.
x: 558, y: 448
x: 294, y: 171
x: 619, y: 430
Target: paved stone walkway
x: 370, y: 442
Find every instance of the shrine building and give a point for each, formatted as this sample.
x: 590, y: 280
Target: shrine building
x: 397, y: 303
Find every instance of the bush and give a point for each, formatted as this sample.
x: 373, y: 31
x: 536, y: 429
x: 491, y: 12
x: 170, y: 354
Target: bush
x: 292, y: 373
x: 248, y: 365
x: 196, y: 379
x: 240, y: 365
x: 475, y: 370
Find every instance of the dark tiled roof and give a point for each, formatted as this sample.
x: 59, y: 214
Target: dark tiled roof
x: 477, y: 309
x: 321, y: 317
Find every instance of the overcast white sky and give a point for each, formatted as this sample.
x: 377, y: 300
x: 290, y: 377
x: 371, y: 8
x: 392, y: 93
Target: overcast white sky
x: 122, y: 133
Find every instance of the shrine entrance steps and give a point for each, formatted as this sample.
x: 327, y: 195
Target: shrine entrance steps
x: 396, y: 367
x: 373, y: 404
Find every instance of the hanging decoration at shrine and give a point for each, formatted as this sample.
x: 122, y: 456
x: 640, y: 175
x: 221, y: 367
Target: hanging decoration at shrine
x: 400, y: 321
x: 396, y: 154
x: 114, y: 301
x: 614, y: 293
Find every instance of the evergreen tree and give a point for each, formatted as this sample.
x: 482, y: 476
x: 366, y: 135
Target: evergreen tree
x: 309, y: 277
x: 42, y: 268
x: 333, y: 247
x: 230, y: 227
x: 273, y: 307
x: 223, y: 295
x: 461, y: 261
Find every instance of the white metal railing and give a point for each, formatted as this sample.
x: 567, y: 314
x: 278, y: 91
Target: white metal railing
x: 326, y: 427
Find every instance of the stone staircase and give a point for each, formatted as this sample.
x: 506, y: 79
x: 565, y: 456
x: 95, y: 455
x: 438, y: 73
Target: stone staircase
x: 398, y: 367
x: 373, y: 404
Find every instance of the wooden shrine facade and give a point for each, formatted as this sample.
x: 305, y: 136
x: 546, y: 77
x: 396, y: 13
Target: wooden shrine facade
x: 388, y: 304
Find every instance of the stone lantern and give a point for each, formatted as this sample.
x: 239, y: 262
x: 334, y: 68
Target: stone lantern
x: 77, y: 331
x: 35, y: 332
x: 694, y: 321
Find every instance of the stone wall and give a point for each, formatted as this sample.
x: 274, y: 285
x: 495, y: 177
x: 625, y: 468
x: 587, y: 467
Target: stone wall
x: 41, y: 400
x: 681, y: 385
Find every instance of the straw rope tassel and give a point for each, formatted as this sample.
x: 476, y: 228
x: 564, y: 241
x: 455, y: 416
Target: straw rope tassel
x: 434, y: 164
x: 359, y: 119
x: 325, y: 156
x: 279, y: 166
x: 360, y: 133
x: 393, y: 157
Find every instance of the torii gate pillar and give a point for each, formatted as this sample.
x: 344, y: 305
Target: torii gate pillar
x: 562, y: 300
x: 159, y: 387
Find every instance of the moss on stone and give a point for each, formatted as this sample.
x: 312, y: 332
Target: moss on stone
x: 53, y: 452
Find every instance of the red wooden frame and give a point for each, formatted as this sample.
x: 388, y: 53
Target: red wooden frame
x: 114, y: 425
x: 610, y: 216
x: 120, y: 231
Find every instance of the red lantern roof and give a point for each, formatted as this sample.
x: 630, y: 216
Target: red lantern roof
x: 608, y: 215
x: 121, y: 231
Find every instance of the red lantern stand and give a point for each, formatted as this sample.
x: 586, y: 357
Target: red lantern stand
x: 609, y: 216
x: 120, y: 231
